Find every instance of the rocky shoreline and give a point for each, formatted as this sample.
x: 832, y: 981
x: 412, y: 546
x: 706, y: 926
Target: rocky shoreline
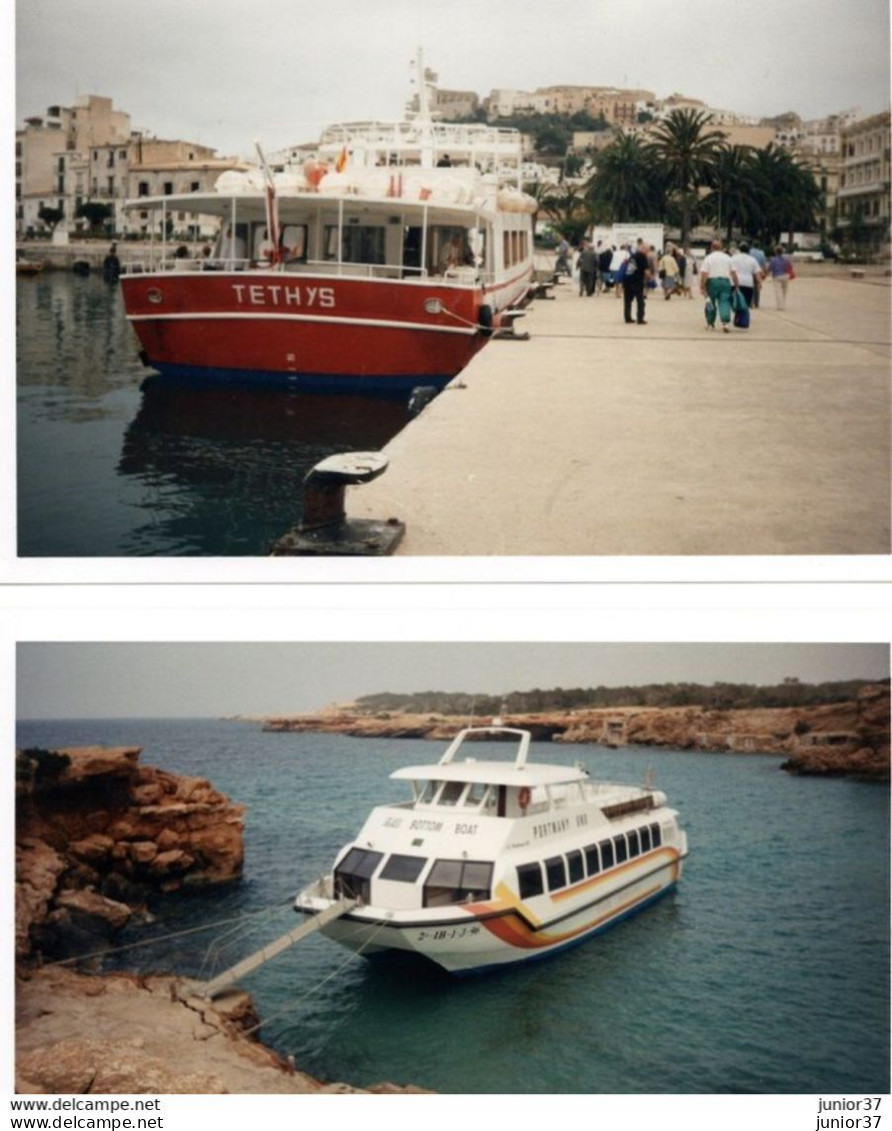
x: 850, y: 738
x: 96, y: 835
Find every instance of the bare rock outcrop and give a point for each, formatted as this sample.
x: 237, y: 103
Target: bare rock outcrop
x: 97, y: 833
x: 145, y: 1035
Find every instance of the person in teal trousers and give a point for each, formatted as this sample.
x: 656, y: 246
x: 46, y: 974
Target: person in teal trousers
x: 717, y: 281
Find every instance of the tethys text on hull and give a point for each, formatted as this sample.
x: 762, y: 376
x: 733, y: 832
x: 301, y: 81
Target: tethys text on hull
x: 493, y: 862
x: 382, y: 263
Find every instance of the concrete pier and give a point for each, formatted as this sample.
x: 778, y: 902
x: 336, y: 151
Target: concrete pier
x: 600, y: 438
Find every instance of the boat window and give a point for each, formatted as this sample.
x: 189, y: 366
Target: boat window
x: 655, y: 835
x: 476, y: 793
x: 294, y: 243
x: 592, y: 862
x: 427, y: 793
x: 407, y: 869
x: 645, y: 839
x: 619, y: 847
x: 451, y: 792
x: 455, y: 881
x: 574, y: 866
x: 353, y: 875
x: 361, y: 243
x: 634, y: 846
x: 606, y: 854
x: 556, y: 872
x: 529, y: 880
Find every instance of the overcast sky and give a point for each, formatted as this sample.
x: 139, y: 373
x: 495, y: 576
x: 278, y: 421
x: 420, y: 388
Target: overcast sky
x: 222, y: 72
x: 131, y: 680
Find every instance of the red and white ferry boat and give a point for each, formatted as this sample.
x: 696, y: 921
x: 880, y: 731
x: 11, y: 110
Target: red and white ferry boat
x: 382, y: 263
x: 494, y: 862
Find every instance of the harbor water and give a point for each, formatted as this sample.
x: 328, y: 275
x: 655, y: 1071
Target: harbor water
x: 112, y: 462
x: 766, y: 972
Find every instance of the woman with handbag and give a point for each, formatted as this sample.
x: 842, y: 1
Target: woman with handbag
x: 781, y: 271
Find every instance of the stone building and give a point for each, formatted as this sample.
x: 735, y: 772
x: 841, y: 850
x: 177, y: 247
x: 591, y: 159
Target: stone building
x: 52, y: 156
x: 89, y: 152
x: 863, y: 196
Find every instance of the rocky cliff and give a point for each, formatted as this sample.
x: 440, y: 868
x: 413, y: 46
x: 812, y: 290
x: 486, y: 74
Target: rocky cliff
x: 851, y: 737
x: 97, y: 833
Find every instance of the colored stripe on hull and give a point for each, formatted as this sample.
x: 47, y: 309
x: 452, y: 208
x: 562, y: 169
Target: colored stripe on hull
x: 559, y: 948
x: 202, y: 375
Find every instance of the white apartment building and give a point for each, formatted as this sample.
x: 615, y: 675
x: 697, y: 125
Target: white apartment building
x: 865, y: 179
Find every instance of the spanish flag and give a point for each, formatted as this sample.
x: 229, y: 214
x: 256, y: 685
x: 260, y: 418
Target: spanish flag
x: 341, y: 161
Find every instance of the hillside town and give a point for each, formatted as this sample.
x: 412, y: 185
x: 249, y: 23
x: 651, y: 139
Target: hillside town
x: 77, y: 165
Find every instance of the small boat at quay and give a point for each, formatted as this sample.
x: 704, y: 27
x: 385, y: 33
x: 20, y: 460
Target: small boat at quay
x: 381, y: 263
x: 28, y: 267
x: 493, y: 862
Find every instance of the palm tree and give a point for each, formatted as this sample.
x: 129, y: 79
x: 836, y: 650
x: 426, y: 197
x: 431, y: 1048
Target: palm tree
x: 626, y: 182
x: 733, y: 198
x: 686, y: 149
x: 789, y: 193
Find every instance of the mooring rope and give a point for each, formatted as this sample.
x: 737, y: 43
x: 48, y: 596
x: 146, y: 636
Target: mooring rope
x: 297, y: 1002
x: 238, y: 919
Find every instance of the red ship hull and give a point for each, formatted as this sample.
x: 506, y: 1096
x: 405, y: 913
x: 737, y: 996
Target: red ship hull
x: 309, y: 331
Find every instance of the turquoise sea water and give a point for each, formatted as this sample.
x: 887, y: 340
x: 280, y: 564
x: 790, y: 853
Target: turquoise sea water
x: 766, y: 972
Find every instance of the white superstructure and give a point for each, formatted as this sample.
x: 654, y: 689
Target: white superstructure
x: 492, y: 862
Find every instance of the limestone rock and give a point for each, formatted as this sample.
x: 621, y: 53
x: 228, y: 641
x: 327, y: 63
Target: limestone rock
x: 117, y: 827
x: 91, y: 904
x: 38, y: 868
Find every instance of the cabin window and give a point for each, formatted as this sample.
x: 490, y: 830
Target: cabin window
x: 360, y: 243
x: 427, y: 793
x: 620, y: 848
x: 592, y: 862
x: 294, y: 242
x: 451, y: 792
x: 574, y: 867
x: 455, y: 881
x: 645, y: 839
x: 556, y: 872
x: 352, y: 878
x: 406, y: 869
x: 529, y: 880
x: 477, y: 792
x: 655, y: 835
x: 606, y: 854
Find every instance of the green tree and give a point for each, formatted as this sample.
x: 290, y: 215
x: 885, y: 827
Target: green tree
x: 552, y: 139
x: 685, y: 148
x: 95, y: 213
x: 50, y: 216
x: 733, y: 199
x: 626, y: 183
x: 788, y: 192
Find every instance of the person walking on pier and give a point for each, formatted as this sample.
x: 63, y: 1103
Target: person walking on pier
x: 562, y: 263
x: 635, y: 276
x: 759, y: 255
x: 781, y: 271
x: 717, y: 279
x: 587, y: 266
x: 749, y: 274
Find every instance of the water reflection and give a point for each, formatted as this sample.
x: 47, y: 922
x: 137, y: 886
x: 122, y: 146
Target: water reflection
x: 222, y: 469
x: 112, y: 464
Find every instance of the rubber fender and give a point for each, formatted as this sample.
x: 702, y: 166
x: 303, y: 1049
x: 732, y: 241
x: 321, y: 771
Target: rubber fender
x: 485, y: 319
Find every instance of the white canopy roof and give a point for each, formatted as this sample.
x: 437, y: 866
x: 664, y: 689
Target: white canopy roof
x: 492, y: 773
